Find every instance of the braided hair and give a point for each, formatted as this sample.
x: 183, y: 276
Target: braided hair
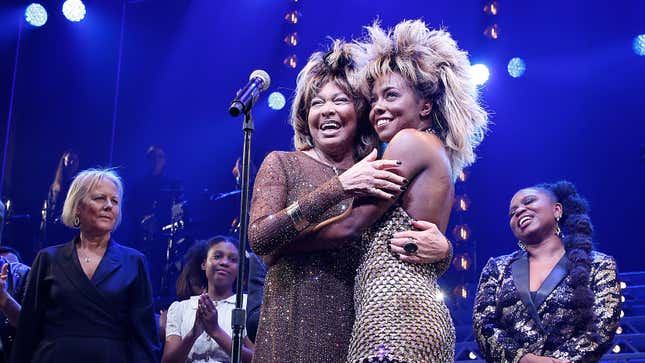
x: 578, y: 244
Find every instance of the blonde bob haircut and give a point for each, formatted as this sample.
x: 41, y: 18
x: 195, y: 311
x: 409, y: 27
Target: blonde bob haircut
x: 82, y: 184
x: 339, y: 65
x: 439, y: 72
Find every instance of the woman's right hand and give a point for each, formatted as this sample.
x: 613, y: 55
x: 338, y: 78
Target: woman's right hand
x: 371, y: 177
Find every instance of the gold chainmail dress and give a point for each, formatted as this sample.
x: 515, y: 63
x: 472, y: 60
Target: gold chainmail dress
x: 399, y: 314
x: 307, y: 310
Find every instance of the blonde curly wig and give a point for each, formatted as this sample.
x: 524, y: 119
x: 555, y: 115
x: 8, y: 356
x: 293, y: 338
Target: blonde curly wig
x: 439, y: 72
x: 339, y: 65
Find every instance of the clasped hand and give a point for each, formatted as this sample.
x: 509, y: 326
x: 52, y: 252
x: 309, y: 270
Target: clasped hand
x: 371, y: 177
x: 205, y: 317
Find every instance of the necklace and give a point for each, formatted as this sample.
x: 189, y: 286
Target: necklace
x: 84, y: 256
x: 322, y: 160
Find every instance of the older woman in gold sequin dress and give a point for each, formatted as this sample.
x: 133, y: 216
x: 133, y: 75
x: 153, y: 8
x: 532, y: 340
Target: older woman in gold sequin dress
x: 298, y: 201
x: 425, y: 107
x: 556, y: 299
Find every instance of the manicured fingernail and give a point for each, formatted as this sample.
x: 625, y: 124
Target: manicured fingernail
x: 406, y: 181
x: 398, y: 162
x: 393, y: 196
x: 404, y: 188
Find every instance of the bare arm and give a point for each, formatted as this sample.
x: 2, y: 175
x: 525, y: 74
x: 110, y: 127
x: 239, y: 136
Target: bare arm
x: 425, y: 165
x: 177, y: 348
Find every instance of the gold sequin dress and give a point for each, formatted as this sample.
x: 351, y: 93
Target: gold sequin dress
x: 400, y: 316
x: 307, y: 310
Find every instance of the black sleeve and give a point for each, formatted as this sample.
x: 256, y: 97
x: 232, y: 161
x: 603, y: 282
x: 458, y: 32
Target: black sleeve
x: 145, y: 346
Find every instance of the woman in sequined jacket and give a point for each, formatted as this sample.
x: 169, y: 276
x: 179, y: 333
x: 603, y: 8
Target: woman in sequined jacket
x: 556, y: 299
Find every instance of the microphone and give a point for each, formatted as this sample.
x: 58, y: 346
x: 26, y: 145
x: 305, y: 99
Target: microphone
x: 246, y: 97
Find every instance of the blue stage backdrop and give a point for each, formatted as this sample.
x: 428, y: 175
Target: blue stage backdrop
x: 142, y: 72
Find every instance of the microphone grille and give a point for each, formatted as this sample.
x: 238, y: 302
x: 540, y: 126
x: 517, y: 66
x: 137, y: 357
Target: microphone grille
x: 264, y: 76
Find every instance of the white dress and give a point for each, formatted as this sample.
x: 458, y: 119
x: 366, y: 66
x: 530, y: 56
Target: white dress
x: 180, y: 320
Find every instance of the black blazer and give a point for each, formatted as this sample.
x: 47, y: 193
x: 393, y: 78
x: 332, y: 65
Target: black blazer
x: 67, y: 317
x: 509, y: 323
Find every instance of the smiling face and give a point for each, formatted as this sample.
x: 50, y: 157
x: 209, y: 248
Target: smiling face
x: 99, y: 209
x: 533, y: 215
x: 332, y: 119
x: 396, y: 106
x: 220, y: 265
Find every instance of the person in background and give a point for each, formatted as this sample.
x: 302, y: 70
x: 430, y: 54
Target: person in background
x: 52, y: 229
x: 198, y: 329
x: 556, y: 299
x: 13, y: 276
x: 88, y: 300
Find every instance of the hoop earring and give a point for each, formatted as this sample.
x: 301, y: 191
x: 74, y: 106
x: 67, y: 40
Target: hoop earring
x: 558, y: 231
x: 521, y: 245
x: 77, y: 221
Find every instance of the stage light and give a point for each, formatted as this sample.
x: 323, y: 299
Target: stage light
x: 291, y: 39
x: 622, y: 298
x: 639, y: 45
x: 74, y: 10
x: 492, y: 32
x: 462, y: 203
x: 623, y: 285
x: 36, y: 15
x: 472, y: 355
x: 619, y: 330
x: 293, y: 16
x: 461, y: 232
x: 479, y: 73
x: 463, y: 176
x: 622, y: 313
x: 491, y: 8
x: 516, y: 67
x: 276, y: 101
x: 462, y: 262
x: 291, y: 61
x: 461, y: 291
x: 616, y: 349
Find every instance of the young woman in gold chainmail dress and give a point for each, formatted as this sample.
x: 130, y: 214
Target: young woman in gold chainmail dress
x: 424, y: 106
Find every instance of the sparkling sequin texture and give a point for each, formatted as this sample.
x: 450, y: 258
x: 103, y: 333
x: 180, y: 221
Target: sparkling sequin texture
x: 307, y: 311
x: 399, y: 315
x: 506, y: 331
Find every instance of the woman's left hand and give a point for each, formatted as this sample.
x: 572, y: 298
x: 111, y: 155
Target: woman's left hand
x: 208, y: 314
x: 432, y: 245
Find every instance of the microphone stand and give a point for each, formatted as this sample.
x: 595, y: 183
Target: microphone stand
x: 239, y: 313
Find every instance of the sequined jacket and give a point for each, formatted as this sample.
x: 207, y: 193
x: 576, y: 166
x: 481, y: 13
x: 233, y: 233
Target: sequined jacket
x: 510, y: 324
